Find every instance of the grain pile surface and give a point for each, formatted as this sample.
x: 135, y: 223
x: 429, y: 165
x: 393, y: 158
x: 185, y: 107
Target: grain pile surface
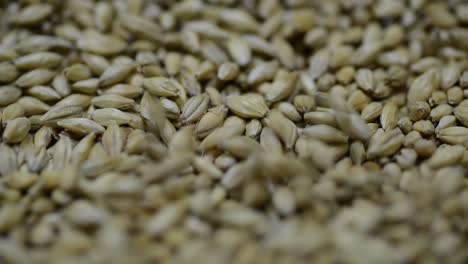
x: 224, y: 131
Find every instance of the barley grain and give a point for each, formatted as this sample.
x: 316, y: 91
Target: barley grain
x: 100, y: 44
x: 38, y: 60
x: 194, y: 108
x: 454, y: 135
x: 446, y: 155
x: 35, y: 77
x: 239, y: 50
x: 283, y: 127
x: 233, y: 131
x: 248, y: 105
x: 77, y: 72
x: 228, y: 71
x: 33, y: 106
x: 382, y: 143
x: 81, y: 126
x: 16, y: 130
x: 33, y: 14
x: 8, y: 95
x: 8, y: 72
x: 106, y: 116
x: 59, y: 112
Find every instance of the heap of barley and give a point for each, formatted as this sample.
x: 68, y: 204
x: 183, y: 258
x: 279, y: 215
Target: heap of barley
x: 224, y: 131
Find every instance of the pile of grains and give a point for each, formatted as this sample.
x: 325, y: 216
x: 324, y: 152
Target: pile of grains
x: 224, y: 131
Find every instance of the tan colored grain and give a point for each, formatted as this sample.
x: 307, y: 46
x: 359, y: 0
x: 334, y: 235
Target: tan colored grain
x: 8, y: 164
x: 446, y: 155
x: 283, y: 127
x: 100, y: 44
x: 171, y: 108
x: 325, y: 133
x: 9, y: 94
x: 194, y: 108
x: 227, y: 71
x: 453, y: 135
x: 239, y: 50
x: 241, y: 146
x: 289, y: 111
x: 210, y: 121
x: 383, y: 144
x: 125, y: 90
x: 35, y: 77
x: 248, y: 105
x: 77, y: 72
x: 44, y: 93
x: 233, y: 131
x: 81, y: 126
x: 454, y: 95
x: 142, y: 27
x: 8, y: 72
x: 422, y: 87
x: 38, y: 60
x: 33, y: 14
x: 106, y: 116
x: 59, y: 112
x: 97, y: 64
x: 282, y: 86
x: 113, y: 139
x: 389, y: 116
x: 16, y: 130
x: 162, y: 86
x: 113, y: 101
